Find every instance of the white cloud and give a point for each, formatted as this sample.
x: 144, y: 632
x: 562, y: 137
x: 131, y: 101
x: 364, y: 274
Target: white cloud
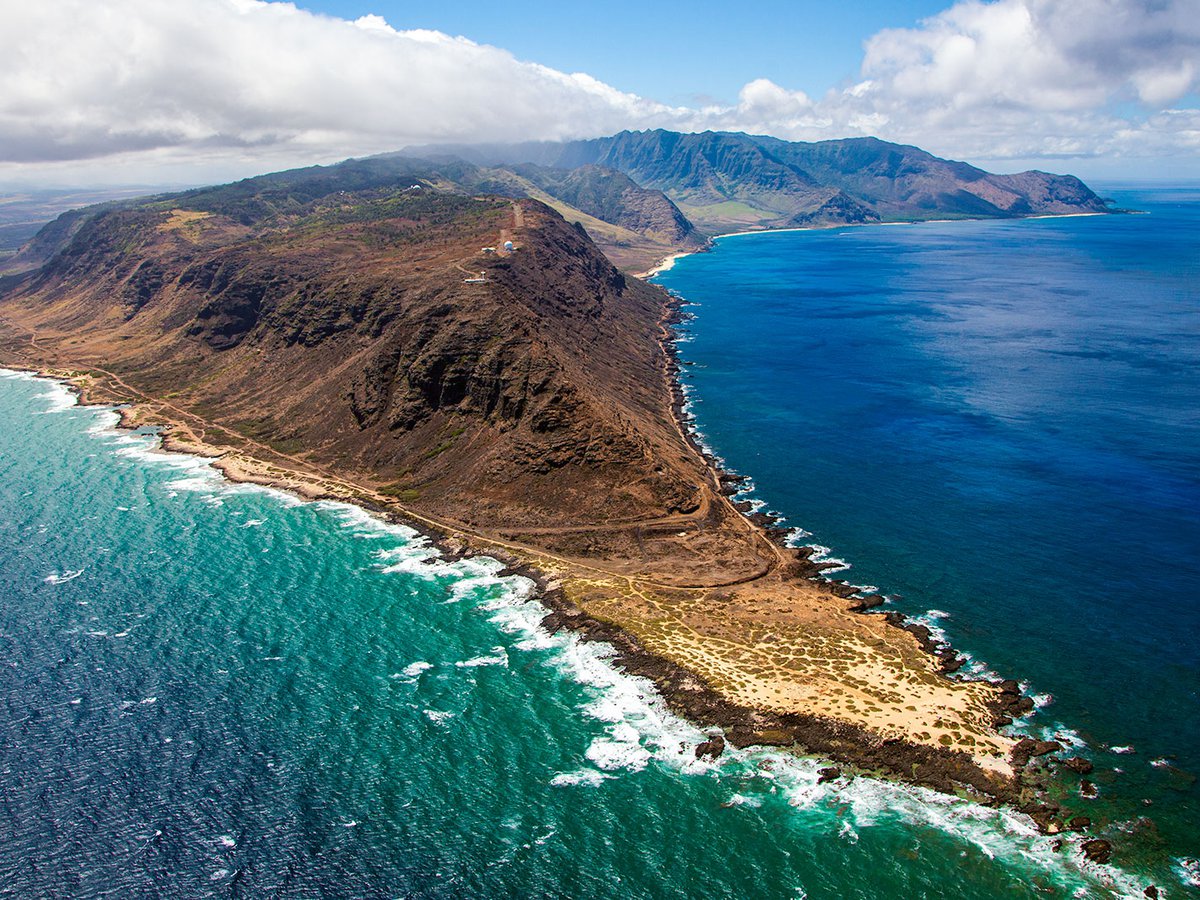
x: 1031, y: 77
x: 84, y: 80
x: 236, y: 86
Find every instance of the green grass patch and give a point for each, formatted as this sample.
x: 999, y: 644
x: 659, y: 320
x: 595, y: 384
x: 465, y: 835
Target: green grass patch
x: 437, y: 451
x: 400, y: 492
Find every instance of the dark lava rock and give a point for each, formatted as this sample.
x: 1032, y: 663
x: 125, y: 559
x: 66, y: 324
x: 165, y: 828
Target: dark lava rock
x: 951, y: 662
x: 1088, y: 790
x: 1046, y: 818
x: 1079, y: 764
x: 1056, y: 846
x: 712, y: 748
x: 1027, y: 748
x: 1011, y: 702
x: 1080, y: 823
x: 870, y: 601
x: 1151, y: 892
x: 831, y: 773
x: 1098, y: 851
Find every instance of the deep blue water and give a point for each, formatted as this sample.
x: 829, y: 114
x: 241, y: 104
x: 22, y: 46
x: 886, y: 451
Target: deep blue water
x: 1000, y: 422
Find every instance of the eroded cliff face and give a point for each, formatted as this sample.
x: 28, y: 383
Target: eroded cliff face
x: 347, y: 330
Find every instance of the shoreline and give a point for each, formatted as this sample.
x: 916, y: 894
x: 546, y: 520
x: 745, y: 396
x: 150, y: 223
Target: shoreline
x: 668, y: 262
x: 682, y: 691
x: 1015, y: 702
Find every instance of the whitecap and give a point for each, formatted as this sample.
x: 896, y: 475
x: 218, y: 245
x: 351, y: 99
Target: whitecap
x: 355, y: 517
x: 499, y: 657
x: 106, y: 423
x: 438, y: 716
x: 1068, y: 737
x: 62, y: 577
x: 1122, y: 750
x: 196, y: 484
x: 1187, y: 868
x: 60, y: 399
x: 589, y: 777
x: 611, y: 754
x: 745, y: 800
x: 821, y: 554
x: 412, y: 670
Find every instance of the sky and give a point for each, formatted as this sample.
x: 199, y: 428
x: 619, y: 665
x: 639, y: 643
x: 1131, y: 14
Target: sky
x: 103, y: 92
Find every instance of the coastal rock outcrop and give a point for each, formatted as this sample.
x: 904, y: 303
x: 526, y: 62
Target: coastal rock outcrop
x: 1098, y: 851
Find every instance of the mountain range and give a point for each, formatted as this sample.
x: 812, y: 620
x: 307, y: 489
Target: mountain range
x: 720, y: 179
x: 643, y: 196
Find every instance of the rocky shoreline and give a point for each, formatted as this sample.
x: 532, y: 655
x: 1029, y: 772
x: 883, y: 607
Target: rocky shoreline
x: 689, y: 697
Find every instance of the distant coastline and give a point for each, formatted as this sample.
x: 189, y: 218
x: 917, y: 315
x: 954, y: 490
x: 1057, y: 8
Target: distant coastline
x: 668, y: 262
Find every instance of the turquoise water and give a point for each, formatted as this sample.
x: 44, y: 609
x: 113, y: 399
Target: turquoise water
x: 997, y: 424
x: 213, y: 690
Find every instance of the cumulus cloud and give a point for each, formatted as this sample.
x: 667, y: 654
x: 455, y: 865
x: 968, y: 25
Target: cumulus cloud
x: 84, y: 79
x: 1029, y: 77
x: 1018, y: 79
x: 264, y: 83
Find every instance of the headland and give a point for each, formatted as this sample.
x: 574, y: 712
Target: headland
x: 377, y: 348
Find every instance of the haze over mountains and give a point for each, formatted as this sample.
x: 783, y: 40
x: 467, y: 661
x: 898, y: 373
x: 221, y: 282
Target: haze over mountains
x: 720, y: 179
x: 645, y: 195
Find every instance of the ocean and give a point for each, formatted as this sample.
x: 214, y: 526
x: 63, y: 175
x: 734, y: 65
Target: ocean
x: 217, y: 690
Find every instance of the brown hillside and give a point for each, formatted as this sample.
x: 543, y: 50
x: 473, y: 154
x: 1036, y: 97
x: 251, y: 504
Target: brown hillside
x: 527, y: 399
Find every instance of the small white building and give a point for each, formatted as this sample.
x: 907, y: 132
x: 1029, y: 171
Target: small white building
x: 508, y: 246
